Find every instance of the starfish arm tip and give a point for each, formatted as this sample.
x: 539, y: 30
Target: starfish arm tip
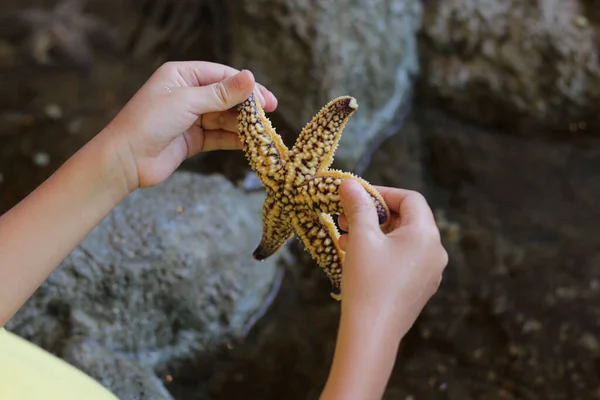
x: 258, y: 255
x: 336, y: 294
x: 353, y: 103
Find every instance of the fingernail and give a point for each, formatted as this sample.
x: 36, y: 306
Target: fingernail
x: 261, y: 98
x: 356, y: 189
x: 242, y: 80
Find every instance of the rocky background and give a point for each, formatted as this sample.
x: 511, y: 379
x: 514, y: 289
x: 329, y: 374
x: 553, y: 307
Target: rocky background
x: 487, y: 107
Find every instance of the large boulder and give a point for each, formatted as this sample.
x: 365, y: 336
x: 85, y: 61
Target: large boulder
x: 167, y: 277
x: 308, y: 53
x: 527, y: 66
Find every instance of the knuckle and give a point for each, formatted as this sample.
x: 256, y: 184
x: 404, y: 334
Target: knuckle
x: 417, y: 196
x: 431, y: 244
x: 220, y: 121
x: 358, y: 207
x: 221, y: 93
x: 168, y: 66
x: 434, y: 284
x: 211, y: 121
x: 433, y: 233
x: 434, y: 243
x: 444, y: 257
x: 428, y: 234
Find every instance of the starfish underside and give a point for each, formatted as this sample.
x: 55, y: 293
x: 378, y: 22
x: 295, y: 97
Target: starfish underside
x: 302, y: 192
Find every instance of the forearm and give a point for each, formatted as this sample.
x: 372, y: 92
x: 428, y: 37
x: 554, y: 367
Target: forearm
x: 40, y: 231
x: 364, y: 356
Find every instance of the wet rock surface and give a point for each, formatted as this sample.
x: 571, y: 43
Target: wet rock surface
x: 165, y: 278
x: 307, y: 54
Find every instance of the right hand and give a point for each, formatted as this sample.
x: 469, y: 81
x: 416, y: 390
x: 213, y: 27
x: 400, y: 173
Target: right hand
x: 394, y: 273
x: 184, y: 108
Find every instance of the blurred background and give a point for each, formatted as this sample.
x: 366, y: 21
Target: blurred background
x: 487, y: 107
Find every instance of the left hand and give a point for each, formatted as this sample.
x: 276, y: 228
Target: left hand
x: 183, y: 109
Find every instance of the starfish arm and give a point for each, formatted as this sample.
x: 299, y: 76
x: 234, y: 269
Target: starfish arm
x: 276, y: 227
x: 322, y: 193
x: 314, y: 148
x: 320, y: 237
x: 263, y: 146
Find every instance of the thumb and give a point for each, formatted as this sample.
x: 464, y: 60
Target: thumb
x: 221, y: 96
x: 358, y: 206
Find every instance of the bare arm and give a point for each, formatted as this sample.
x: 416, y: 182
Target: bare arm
x: 364, y: 356
x: 40, y: 231
x: 387, y: 280
x: 183, y: 109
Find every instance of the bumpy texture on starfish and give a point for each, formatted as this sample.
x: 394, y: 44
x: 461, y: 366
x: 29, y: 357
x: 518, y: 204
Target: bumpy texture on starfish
x: 302, y: 192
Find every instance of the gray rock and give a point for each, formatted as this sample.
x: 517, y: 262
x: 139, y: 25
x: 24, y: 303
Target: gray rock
x: 517, y: 64
x: 398, y: 162
x: 167, y: 276
x: 308, y: 53
x: 122, y: 375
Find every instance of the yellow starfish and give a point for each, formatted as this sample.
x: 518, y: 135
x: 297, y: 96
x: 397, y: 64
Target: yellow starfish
x: 302, y: 192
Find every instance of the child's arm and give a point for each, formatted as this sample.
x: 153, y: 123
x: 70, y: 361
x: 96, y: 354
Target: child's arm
x: 43, y: 228
x: 183, y: 109
x: 387, y: 280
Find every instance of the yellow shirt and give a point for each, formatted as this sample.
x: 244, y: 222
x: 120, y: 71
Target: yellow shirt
x: 28, y: 372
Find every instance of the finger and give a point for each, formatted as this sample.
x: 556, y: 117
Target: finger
x: 204, y: 73
x: 409, y: 204
x: 343, y: 242
x: 343, y: 222
x: 220, y: 96
x: 359, y: 207
x: 226, y: 120
x: 199, y: 140
x: 270, y: 101
x: 221, y: 140
x: 261, y: 97
x: 201, y: 73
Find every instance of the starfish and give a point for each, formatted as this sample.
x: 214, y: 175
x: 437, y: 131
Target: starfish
x: 64, y: 29
x: 302, y: 193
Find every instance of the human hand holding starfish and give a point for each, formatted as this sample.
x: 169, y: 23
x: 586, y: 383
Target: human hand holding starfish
x: 183, y: 109
x: 388, y: 278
